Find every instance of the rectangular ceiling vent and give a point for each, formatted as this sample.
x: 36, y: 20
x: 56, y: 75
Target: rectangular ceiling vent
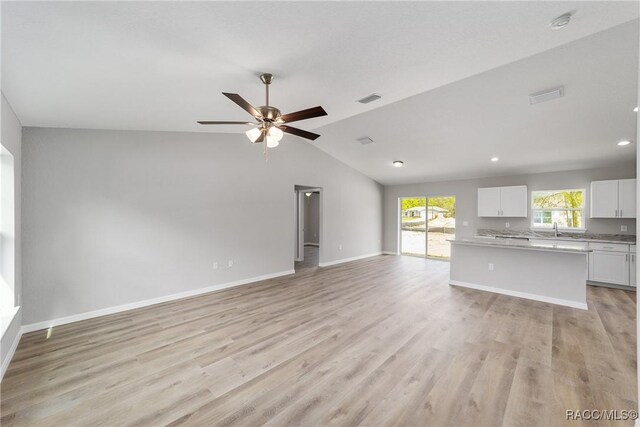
x: 365, y: 140
x: 547, y: 95
x: 370, y: 98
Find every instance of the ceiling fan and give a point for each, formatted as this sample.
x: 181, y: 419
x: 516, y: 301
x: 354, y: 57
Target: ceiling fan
x: 270, y: 122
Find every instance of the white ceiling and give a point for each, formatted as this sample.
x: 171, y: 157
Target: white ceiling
x: 162, y: 65
x: 452, y: 132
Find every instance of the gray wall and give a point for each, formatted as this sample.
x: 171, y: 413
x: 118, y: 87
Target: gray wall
x: 466, y: 192
x: 12, y: 141
x: 115, y: 217
x: 312, y: 218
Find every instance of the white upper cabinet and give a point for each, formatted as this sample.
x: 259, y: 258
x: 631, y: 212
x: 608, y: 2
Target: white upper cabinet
x: 514, y: 201
x: 627, y: 198
x: 613, y: 198
x: 489, y: 201
x: 503, y: 201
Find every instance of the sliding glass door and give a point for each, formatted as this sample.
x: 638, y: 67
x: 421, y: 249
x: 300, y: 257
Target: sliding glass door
x: 413, y: 214
x: 426, y: 225
x: 441, y: 226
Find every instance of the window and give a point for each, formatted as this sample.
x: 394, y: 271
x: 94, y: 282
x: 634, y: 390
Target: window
x: 562, y: 207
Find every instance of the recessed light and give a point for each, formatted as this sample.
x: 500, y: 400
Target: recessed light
x: 623, y: 143
x: 398, y: 163
x: 635, y: 110
x: 494, y: 159
x: 561, y: 21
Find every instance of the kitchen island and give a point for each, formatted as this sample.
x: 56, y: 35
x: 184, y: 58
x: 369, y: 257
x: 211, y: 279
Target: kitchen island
x: 555, y: 271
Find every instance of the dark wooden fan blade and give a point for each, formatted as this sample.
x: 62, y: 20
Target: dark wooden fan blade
x: 210, y: 122
x: 309, y: 113
x: 299, y: 132
x: 261, y: 137
x: 243, y: 104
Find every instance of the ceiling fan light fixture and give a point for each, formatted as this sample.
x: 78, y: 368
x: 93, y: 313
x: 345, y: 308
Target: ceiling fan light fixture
x: 275, y: 133
x: 272, y: 142
x: 253, y: 134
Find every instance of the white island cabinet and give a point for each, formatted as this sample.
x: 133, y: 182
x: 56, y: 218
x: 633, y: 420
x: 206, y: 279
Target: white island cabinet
x: 613, y: 198
x: 503, y: 201
x: 552, y: 272
x: 633, y: 271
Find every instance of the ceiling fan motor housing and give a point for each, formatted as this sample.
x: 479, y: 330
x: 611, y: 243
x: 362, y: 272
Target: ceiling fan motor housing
x: 269, y: 114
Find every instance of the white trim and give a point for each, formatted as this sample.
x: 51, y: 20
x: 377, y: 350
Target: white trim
x: 557, y: 301
x: 12, y: 350
x: 312, y: 244
x: 343, y: 260
x: 390, y: 253
x: 125, y: 307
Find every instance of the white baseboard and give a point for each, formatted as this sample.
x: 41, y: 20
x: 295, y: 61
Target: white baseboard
x: 390, y: 253
x: 343, y: 260
x: 312, y: 244
x: 119, y: 308
x: 557, y: 301
x: 12, y: 350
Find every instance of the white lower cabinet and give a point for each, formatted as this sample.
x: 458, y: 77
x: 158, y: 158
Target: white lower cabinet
x: 609, y: 267
x: 633, y: 268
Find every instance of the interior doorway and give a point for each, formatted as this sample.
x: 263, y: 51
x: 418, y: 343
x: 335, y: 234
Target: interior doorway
x: 308, y: 227
x: 426, y: 225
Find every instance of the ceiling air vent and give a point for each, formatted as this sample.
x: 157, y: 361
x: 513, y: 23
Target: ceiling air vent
x: 370, y: 98
x: 547, y: 95
x: 365, y: 140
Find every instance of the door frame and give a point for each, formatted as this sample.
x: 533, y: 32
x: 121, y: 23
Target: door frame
x: 299, y: 199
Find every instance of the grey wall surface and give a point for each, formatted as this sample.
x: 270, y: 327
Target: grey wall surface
x: 12, y: 141
x: 115, y: 217
x: 312, y: 218
x: 466, y: 192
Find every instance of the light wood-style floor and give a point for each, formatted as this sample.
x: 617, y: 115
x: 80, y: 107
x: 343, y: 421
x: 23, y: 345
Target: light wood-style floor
x: 375, y: 342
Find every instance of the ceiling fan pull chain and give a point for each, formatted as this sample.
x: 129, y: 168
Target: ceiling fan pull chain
x: 266, y: 156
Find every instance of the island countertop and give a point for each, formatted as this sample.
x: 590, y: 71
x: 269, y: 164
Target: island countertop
x: 564, y: 236
x: 551, y: 245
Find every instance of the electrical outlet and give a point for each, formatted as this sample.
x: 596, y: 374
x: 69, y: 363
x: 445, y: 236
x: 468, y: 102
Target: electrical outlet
x: 490, y: 266
x: 230, y: 263
x: 215, y: 265
x: 340, y: 246
x: 465, y: 223
x: 623, y: 228
x: 506, y: 224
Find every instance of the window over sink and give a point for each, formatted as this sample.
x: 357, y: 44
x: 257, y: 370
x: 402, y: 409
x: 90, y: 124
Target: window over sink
x: 562, y: 207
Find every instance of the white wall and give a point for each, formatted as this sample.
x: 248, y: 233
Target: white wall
x: 11, y: 134
x: 116, y: 217
x: 466, y: 192
x: 312, y: 218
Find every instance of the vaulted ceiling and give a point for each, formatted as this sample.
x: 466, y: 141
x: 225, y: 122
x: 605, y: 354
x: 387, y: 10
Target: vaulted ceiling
x: 454, y: 76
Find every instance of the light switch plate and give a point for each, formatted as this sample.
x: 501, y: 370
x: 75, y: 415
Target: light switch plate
x: 506, y: 224
x: 623, y: 228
